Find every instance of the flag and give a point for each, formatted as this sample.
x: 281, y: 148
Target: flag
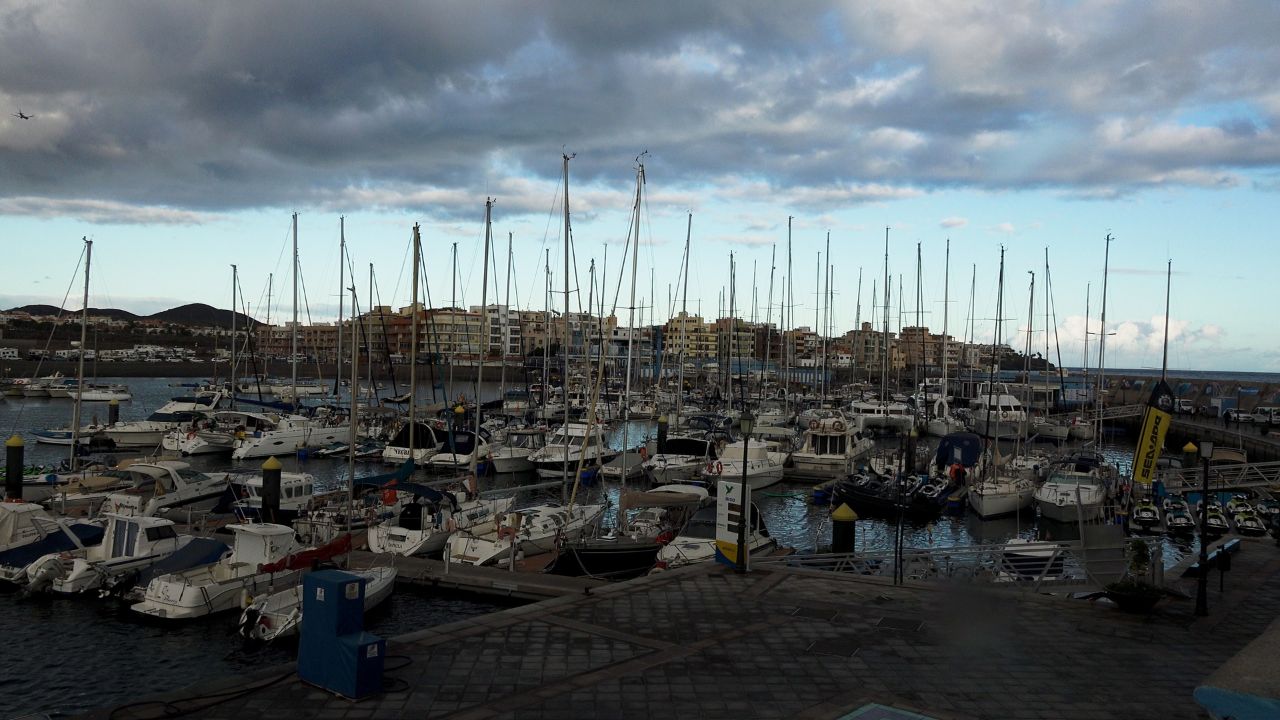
x: 1155, y: 423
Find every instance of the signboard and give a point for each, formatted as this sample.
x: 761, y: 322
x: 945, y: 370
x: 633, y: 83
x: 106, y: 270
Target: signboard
x: 1155, y: 423
x: 728, y: 517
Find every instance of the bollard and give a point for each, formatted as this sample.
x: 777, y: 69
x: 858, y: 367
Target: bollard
x: 113, y: 412
x: 13, y: 459
x: 662, y: 433
x: 271, y: 490
x: 844, y: 529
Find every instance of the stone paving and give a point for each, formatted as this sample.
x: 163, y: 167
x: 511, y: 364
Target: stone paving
x: 707, y: 643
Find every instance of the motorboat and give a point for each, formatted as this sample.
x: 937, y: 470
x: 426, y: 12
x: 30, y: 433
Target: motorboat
x: 290, y: 434
x: 18, y: 523
x: 103, y: 393
x: 264, y: 556
x: 427, y: 517
x: 297, y: 493
x: 129, y: 544
x: 279, y: 615
x: 762, y: 468
x: 426, y: 442
x: 696, y: 541
x: 885, y: 415
x: 830, y: 450
x: 216, y: 432
x: 521, y: 443
x: 647, y: 521
x: 198, y: 552
x: 1145, y: 515
x: 997, y: 413
x: 1078, y: 487
x: 1023, y: 559
x: 532, y: 530
x: 178, y: 411
x: 167, y: 488
x: 571, y: 444
x: 683, y: 458
x: 56, y: 536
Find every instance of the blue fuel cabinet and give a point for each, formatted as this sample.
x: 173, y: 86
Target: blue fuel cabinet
x: 334, y: 652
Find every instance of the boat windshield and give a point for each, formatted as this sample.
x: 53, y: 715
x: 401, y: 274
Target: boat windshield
x: 702, y: 526
x: 830, y: 444
x: 685, y: 446
x: 524, y: 440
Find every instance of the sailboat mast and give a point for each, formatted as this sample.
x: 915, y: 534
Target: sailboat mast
x: 368, y: 340
x: 564, y: 348
x: 684, y: 321
x: 352, y: 435
x: 293, y: 359
x: 631, y: 317
x: 946, y: 307
x: 1168, y: 284
x: 413, y: 340
x: 1102, y: 335
x: 453, y: 335
x: 234, y: 281
x: 789, y: 318
x: 884, y: 363
x: 84, y: 336
x: 826, y: 312
x: 768, y: 319
x: 503, y: 336
x: 546, y: 340
x: 342, y: 255
x: 482, y: 346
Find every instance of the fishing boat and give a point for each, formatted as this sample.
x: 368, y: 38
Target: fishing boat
x: 264, y: 556
x: 830, y: 450
x: 997, y: 413
x: 531, y: 530
x: 279, y: 615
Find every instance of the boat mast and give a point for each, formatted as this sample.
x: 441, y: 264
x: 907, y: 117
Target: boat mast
x: 1102, y: 337
x: 484, y: 294
x: 857, y: 324
x: 884, y: 364
x: 293, y: 359
x: 921, y: 374
x: 940, y: 407
x: 368, y: 341
x: 789, y: 315
x: 352, y: 431
x: 631, y: 315
x: 546, y: 341
x: 1026, y: 360
x: 503, y: 336
x: 564, y: 349
x: 337, y: 353
x: 234, y: 280
x: 413, y: 340
x: 84, y: 330
x: 826, y: 324
x: 453, y: 325
x: 1168, y: 283
x: 768, y: 320
x: 684, y: 321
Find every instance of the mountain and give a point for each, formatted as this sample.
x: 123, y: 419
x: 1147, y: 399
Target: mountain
x: 194, y: 314
x: 112, y: 313
x: 199, y: 314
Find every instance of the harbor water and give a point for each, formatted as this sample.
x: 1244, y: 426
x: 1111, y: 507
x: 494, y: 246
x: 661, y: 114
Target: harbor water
x: 66, y: 655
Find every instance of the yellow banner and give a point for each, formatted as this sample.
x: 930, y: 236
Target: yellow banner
x: 1155, y: 423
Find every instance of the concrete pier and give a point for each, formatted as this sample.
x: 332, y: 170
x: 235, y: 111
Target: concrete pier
x: 704, y: 642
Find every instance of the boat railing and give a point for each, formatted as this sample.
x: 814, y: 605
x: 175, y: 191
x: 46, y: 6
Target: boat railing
x: 1028, y: 567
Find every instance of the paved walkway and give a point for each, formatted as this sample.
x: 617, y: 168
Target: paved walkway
x: 706, y: 643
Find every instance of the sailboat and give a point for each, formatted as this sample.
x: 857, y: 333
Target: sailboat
x: 293, y: 432
x: 998, y: 493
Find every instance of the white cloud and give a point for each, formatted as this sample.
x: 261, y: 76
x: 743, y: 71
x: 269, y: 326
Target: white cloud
x: 953, y: 222
x: 100, y: 211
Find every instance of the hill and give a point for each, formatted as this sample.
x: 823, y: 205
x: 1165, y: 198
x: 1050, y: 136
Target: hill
x: 199, y: 314
x: 113, y: 313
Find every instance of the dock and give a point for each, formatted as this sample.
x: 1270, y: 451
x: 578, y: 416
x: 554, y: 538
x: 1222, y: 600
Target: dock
x: 783, y: 642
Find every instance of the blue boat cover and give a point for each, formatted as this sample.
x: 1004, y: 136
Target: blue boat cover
x: 57, y: 542
x: 964, y: 445
x: 199, y: 552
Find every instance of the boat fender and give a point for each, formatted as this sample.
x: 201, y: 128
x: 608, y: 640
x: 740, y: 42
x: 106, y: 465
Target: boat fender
x: 838, y: 426
x: 644, y: 453
x: 389, y: 497
x: 813, y: 424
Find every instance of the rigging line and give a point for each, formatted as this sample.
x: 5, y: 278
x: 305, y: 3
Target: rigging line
x: 386, y: 348
x: 626, y: 247
x: 306, y: 304
x: 285, y: 243
x: 56, y: 324
x: 404, y: 262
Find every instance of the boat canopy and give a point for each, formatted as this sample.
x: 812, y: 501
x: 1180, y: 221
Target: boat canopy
x: 688, y: 446
x: 962, y: 447
x: 660, y: 499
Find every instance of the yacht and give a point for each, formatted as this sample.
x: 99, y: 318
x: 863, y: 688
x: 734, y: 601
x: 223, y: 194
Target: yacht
x: 683, y: 458
x: 521, y: 443
x: 216, y: 432
x: 297, y: 494
x: 880, y: 414
x: 1077, y: 488
x: 459, y: 450
x: 178, y: 411
x: 20, y: 523
x: 570, y: 444
x: 997, y: 413
x: 1001, y: 495
x: 290, y: 434
x: 831, y: 448
x: 762, y: 466
x: 169, y: 489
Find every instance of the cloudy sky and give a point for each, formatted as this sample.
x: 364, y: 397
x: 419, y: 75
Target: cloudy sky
x: 180, y: 137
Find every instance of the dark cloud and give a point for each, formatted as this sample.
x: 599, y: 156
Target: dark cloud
x: 199, y: 107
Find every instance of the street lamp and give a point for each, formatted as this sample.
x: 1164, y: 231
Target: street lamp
x: 1202, y: 583
x: 747, y: 423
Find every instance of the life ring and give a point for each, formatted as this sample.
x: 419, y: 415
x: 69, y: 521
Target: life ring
x: 715, y: 468
x: 838, y: 426
x: 813, y: 424
x: 644, y: 453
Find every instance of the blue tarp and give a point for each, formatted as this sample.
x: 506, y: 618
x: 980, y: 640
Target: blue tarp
x: 56, y: 542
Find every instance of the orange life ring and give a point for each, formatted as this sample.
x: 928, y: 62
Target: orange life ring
x: 715, y: 468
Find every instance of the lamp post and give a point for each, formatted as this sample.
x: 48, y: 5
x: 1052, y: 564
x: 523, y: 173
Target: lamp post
x: 1202, y: 582
x: 747, y: 423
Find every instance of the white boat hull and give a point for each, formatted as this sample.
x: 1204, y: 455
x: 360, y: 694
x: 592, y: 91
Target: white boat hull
x: 172, y: 597
x: 288, y: 441
x: 989, y: 502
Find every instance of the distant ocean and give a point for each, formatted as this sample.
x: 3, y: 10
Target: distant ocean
x: 1262, y: 378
